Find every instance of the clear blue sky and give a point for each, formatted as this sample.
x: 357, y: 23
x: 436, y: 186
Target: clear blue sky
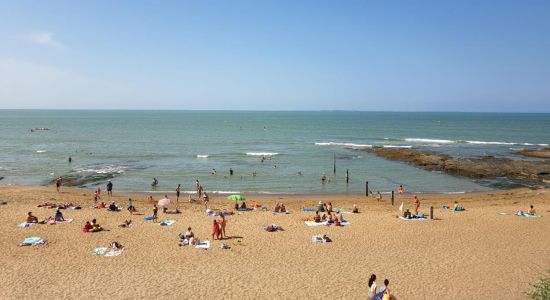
x: 276, y: 55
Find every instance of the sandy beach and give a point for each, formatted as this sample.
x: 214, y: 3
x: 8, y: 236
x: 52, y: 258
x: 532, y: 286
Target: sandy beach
x: 473, y: 254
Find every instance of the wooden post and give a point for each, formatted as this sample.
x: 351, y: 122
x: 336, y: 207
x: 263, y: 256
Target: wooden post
x: 347, y: 176
x: 366, y: 189
x: 431, y: 212
x: 392, y: 196
x: 334, y: 164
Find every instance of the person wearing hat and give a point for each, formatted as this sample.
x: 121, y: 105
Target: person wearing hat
x: 31, y: 218
x: 321, y: 206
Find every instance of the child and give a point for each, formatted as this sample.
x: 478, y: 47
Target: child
x: 155, y: 211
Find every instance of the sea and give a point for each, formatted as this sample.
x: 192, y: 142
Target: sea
x: 282, y: 152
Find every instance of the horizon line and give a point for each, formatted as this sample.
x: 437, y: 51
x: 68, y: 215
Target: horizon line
x: 272, y: 110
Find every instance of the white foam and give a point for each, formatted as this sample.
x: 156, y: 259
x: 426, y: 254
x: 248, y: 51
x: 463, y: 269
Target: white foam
x: 343, y: 144
x: 40, y: 151
x: 202, y: 156
x: 261, y: 153
x: 397, y: 146
x: 103, y: 170
x: 431, y: 141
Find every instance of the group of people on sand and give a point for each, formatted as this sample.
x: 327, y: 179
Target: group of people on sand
x: 58, y: 205
x: 279, y: 208
x: 378, y: 294
x: 218, y: 228
x: 329, y: 215
x: 240, y: 207
x: 92, y: 226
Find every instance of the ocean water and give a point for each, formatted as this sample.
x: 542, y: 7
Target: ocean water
x: 181, y: 146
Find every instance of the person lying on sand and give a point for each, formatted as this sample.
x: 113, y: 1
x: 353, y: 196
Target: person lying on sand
x: 277, y: 207
x: 59, y: 216
x: 31, y: 218
x: 116, y: 246
x: 272, y: 228
x: 101, y: 205
x: 126, y: 224
x: 355, y: 210
x: 407, y: 214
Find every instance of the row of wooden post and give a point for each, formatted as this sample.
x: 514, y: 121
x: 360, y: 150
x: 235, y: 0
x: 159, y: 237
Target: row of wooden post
x: 393, y: 197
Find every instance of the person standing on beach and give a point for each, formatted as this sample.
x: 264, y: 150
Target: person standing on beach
x: 401, y: 190
x: 222, y: 224
x: 215, y: 230
x: 109, y: 189
x: 178, y: 189
x: 205, y: 199
x: 416, y: 205
x: 58, y: 183
x: 155, y: 213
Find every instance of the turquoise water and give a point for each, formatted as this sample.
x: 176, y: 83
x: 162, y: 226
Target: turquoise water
x: 172, y: 146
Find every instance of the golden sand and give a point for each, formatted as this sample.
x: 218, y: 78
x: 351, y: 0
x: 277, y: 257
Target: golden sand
x: 467, y: 255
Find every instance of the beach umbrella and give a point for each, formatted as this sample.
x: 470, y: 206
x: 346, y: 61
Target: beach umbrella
x: 164, y: 202
x: 236, y: 198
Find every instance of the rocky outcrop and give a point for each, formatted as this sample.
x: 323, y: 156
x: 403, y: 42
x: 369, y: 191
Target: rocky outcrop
x: 484, y: 167
x: 539, y: 153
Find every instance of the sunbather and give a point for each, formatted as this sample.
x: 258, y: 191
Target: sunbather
x: 116, y: 246
x: 355, y: 209
x: 282, y: 208
x: 277, y: 207
x: 101, y: 205
x: 31, y: 218
x: 126, y: 224
x: 372, y: 286
x: 95, y: 226
x: 407, y: 214
x: 321, y: 206
x: 330, y: 219
x: 329, y: 207
x: 317, y: 217
x: 59, y: 216
x: 531, y: 211
x: 243, y: 205
x: 337, y: 222
x: 272, y: 228
x: 113, y: 207
x: 131, y: 207
x: 458, y: 207
x: 87, y: 227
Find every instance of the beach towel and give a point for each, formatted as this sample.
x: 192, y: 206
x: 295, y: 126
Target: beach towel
x: 52, y: 222
x: 148, y: 218
x: 501, y: 213
x: 114, y: 253
x: 100, y: 251
x: 33, y: 241
x: 413, y: 219
x: 167, y: 222
x: 313, y: 224
x: 104, y: 251
x: 309, y: 209
x: 245, y: 209
x: 320, y: 238
x: 345, y: 223
x: 526, y: 215
x: 218, y: 213
x: 281, y: 213
x: 203, y: 245
x: 25, y: 224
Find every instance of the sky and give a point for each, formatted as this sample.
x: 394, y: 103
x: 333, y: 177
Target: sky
x: 486, y: 56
